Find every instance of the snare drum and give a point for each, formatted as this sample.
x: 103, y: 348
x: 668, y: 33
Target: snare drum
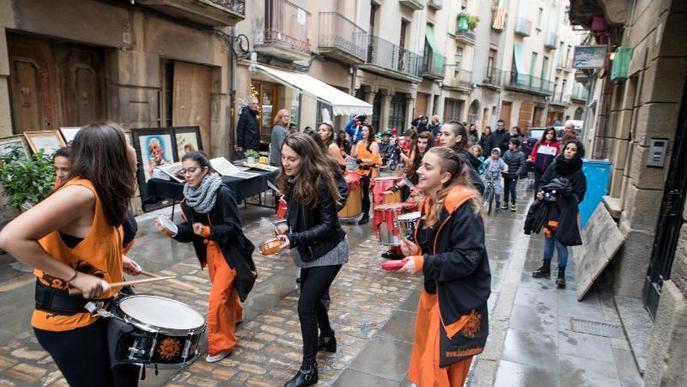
x: 384, y: 222
x: 383, y: 184
x: 160, y: 331
x: 354, y: 204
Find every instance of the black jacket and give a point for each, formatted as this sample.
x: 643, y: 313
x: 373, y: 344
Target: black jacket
x: 472, y: 164
x: 226, y: 231
x: 247, y: 130
x: 314, y: 231
x: 499, y: 139
x: 565, y: 209
x: 516, y: 162
x: 456, y: 267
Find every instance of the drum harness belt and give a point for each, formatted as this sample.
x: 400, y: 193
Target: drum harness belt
x: 58, y: 302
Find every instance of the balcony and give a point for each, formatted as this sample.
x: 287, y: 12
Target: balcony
x: 460, y: 81
x: 433, y: 66
x: 493, y: 77
x: 523, y: 27
x: 215, y: 13
x: 342, y: 39
x: 416, y: 5
x: 465, y: 37
x: 285, y: 34
x: 551, y: 40
x: 559, y: 99
x: 435, y: 4
x: 580, y: 94
x: 528, y: 84
x: 386, y: 58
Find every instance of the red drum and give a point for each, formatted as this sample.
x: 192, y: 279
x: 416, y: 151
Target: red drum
x: 382, y: 184
x: 354, y: 204
x: 384, y: 223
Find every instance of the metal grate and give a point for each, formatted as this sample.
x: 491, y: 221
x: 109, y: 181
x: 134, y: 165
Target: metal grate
x: 596, y: 328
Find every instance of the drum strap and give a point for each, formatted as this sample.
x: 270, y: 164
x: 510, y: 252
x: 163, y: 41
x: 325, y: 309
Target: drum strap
x: 58, y: 302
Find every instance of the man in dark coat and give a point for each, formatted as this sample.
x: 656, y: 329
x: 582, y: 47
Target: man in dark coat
x: 499, y: 138
x: 248, y: 130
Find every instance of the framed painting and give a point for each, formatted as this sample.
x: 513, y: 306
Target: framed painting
x: 9, y: 143
x: 69, y: 132
x: 49, y: 141
x: 187, y: 139
x: 154, y: 150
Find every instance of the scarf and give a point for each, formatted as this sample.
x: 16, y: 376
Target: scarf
x: 203, y: 198
x: 567, y: 167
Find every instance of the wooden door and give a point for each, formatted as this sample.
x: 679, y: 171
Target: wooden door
x: 506, y: 111
x: 421, y: 104
x: 54, y: 84
x: 525, y: 115
x: 192, y: 98
x: 33, y: 93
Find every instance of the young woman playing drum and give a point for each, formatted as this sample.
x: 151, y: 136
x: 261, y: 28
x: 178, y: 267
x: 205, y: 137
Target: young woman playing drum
x: 366, y: 152
x: 74, y: 238
x: 318, y: 243
x: 212, y: 223
x: 451, y: 324
x: 454, y: 135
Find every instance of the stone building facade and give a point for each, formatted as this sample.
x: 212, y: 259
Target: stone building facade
x: 630, y: 117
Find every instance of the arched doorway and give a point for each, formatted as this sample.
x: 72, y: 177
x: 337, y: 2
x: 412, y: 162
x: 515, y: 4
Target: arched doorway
x: 473, y: 113
x: 578, y: 113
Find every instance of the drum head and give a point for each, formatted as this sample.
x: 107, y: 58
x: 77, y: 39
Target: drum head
x: 161, y: 312
x: 410, y: 216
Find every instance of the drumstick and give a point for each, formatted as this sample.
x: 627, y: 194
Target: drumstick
x: 152, y: 275
x: 74, y: 291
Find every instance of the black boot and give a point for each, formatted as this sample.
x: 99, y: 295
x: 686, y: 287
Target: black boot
x: 560, y: 281
x: 543, y: 271
x: 306, y: 376
x: 327, y: 343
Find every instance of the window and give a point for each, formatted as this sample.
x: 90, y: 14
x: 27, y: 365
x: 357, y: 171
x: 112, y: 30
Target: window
x: 459, y: 61
x: 540, y: 16
x: 545, y: 67
x: 533, y: 63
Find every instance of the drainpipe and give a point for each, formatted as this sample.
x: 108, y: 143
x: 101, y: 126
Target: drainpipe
x: 232, y: 98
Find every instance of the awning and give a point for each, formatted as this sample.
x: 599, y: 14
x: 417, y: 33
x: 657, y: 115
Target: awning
x: 342, y: 103
x: 438, y: 58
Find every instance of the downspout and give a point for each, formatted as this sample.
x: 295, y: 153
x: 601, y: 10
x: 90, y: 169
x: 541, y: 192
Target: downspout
x: 232, y: 99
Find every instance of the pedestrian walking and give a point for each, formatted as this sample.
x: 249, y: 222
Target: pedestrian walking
x: 451, y: 325
x: 212, y: 224
x: 248, y: 129
x: 279, y: 133
x: 73, y: 239
x: 454, y: 135
x: 563, y: 186
x: 543, y: 153
x: 366, y: 152
x: 318, y: 243
x: 515, y: 159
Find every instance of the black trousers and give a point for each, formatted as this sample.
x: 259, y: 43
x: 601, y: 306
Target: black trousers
x: 315, y: 282
x: 365, y: 189
x: 537, y: 177
x: 83, y: 358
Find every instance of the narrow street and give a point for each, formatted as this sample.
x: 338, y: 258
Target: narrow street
x: 538, y: 335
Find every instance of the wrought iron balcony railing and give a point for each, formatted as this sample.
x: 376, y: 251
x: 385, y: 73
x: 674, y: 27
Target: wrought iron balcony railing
x: 529, y: 83
x: 390, y: 56
x: 433, y: 66
x: 551, y: 40
x: 286, y: 31
x: 341, y: 38
x: 523, y: 27
x: 493, y: 77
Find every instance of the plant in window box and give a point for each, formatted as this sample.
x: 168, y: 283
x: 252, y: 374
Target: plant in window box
x: 252, y: 156
x: 26, y: 181
x: 472, y: 22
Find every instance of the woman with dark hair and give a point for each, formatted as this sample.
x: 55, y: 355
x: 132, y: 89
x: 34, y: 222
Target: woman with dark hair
x: 451, y: 324
x: 485, y: 141
x: 453, y: 135
x: 326, y: 132
x: 474, y: 135
x: 62, y: 161
x: 562, y: 186
x: 73, y: 239
x: 318, y: 243
x: 543, y: 153
x: 343, y: 143
x: 212, y: 224
x: 366, y: 151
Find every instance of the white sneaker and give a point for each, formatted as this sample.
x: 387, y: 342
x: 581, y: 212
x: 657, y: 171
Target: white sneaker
x: 215, y: 358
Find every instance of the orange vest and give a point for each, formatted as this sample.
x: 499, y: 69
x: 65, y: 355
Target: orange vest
x: 363, y: 153
x: 99, y: 253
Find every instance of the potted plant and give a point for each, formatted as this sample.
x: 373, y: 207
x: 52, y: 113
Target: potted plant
x: 26, y: 181
x: 463, y: 18
x: 251, y: 156
x: 472, y: 22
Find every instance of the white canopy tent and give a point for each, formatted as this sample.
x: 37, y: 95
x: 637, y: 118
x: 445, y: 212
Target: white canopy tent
x: 341, y: 103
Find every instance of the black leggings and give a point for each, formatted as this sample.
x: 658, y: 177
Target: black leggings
x: 315, y: 282
x: 82, y: 356
x: 365, y: 189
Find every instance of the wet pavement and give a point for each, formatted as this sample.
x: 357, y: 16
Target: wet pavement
x: 537, y: 331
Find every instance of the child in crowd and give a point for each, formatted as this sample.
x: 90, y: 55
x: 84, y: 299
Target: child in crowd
x: 515, y: 159
x: 493, y: 167
x: 476, y: 151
